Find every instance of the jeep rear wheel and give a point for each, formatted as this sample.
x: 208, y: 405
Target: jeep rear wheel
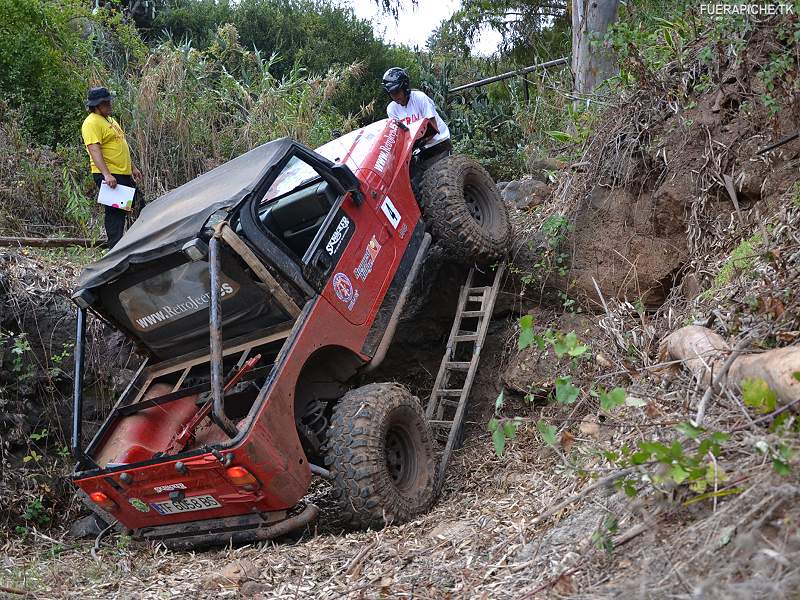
x: 379, y: 451
x: 463, y: 206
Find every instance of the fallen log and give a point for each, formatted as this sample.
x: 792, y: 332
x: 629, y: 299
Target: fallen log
x: 19, y: 242
x: 704, y: 353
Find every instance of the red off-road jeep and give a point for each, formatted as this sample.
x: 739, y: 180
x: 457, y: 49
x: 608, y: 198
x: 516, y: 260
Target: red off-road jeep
x: 259, y: 293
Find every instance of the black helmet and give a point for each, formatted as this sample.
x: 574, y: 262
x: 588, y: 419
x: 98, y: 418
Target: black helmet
x: 396, y: 79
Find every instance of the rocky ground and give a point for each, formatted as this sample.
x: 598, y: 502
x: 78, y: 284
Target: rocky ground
x: 682, y: 485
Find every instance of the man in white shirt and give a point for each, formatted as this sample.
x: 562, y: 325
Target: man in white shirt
x: 409, y: 106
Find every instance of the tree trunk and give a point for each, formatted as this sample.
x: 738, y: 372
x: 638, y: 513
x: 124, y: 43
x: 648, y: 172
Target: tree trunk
x: 591, y: 65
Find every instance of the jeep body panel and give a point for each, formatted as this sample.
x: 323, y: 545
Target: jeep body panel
x: 370, y: 246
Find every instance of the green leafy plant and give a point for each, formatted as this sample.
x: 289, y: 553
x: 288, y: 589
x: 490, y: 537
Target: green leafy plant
x: 502, y: 430
x: 677, y: 463
x: 563, y: 344
x: 547, y: 432
x: 20, y: 349
x: 36, y: 513
x: 601, y: 538
x: 568, y: 344
x: 566, y: 392
x: 609, y: 400
x: 757, y: 394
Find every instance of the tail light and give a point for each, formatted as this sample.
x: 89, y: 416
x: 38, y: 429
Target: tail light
x: 102, y: 501
x: 241, y: 476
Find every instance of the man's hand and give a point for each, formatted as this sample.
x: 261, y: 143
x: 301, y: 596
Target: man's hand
x: 110, y: 180
x: 137, y: 174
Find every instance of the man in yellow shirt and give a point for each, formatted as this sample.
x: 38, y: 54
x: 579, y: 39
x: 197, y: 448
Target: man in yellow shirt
x: 109, y: 156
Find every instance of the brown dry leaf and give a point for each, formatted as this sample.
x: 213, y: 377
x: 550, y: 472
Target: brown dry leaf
x: 772, y: 306
x: 787, y: 336
x: 603, y: 360
x: 567, y: 440
x: 589, y: 427
x: 564, y: 585
x: 651, y: 410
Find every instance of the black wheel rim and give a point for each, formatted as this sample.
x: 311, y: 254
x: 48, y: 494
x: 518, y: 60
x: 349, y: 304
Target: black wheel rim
x: 401, y: 459
x: 479, y: 205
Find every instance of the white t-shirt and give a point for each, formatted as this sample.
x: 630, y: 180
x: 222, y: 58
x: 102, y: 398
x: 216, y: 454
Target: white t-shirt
x: 419, y: 106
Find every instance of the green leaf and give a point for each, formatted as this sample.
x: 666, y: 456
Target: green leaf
x: 492, y: 425
x: 548, y: 432
x: 501, y: 399
x: 526, y: 335
x: 566, y: 393
x: 499, y: 441
x: 630, y: 488
x: 689, y: 430
x: 560, y: 136
x: 719, y: 437
x: 510, y: 429
x: 610, y: 400
x: 757, y: 394
x: 678, y: 474
x: 796, y: 375
x: 781, y: 468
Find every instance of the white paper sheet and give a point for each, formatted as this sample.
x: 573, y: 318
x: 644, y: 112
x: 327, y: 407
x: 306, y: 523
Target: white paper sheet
x: 118, y: 197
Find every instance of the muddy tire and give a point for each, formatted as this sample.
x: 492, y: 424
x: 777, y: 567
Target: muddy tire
x: 464, y: 210
x: 380, y: 453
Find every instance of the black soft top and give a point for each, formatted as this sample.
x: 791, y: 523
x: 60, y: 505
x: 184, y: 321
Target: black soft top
x: 167, y: 223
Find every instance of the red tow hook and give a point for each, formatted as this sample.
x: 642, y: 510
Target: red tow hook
x: 186, y: 435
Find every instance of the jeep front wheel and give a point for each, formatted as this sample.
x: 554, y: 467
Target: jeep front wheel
x: 464, y: 208
x: 379, y: 451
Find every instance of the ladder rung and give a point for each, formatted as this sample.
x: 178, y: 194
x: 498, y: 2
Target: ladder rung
x: 479, y: 290
x: 449, y: 392
x: 447, y: 424
x: 450, y: 403
x: 472, y: 313
x: 475, y: 298
x: 458, y: 366
x: 471, y: 337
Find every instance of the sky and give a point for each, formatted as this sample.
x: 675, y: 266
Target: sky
x: 416, y: 24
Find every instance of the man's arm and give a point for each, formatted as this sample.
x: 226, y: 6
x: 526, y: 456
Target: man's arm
x: 97, y: 156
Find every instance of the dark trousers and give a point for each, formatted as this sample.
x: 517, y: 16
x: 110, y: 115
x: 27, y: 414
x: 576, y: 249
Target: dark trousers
x: 115, y: 217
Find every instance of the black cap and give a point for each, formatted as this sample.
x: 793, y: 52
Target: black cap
x: 98, y: 95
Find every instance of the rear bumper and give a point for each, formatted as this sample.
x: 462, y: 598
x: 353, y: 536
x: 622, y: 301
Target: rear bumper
x: 246, y: 529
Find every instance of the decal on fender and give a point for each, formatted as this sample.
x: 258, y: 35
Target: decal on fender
x: 364, y: 268
x: 338, y: 236
x: 391, y: 212
x: 344, y: 291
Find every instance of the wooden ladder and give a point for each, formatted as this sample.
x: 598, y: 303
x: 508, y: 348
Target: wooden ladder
x: 448, y: 402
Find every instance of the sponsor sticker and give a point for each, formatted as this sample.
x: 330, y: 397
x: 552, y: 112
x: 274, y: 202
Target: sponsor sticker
x: 338, y: 236
x: 385, y: 149
x: 344, y: 291
x: 391, y: 212
x: 139, y: 505
x: 403, y: 230
x: 170, y: 487
x: 364, y: 268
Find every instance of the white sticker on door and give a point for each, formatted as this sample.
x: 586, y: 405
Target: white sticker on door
x: 391, y: 212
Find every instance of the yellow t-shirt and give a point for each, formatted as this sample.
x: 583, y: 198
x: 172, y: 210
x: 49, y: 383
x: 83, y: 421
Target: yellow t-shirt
x: 97, y: 129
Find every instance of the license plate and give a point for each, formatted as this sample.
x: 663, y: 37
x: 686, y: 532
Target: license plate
x: 186, y: 505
